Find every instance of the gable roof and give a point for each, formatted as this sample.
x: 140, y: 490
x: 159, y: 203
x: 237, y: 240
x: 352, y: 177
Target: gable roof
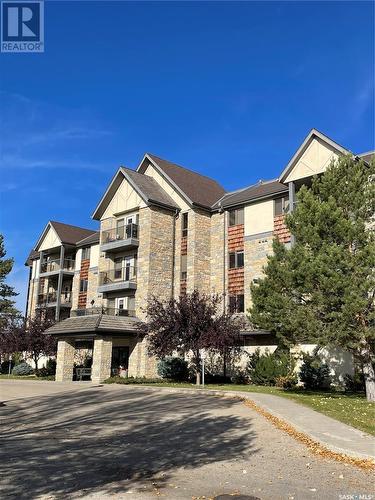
x: 197, y: 189
x: 261, y: 190
x: 70, y: 234
x: 146, y: 187
x: 297, y: 155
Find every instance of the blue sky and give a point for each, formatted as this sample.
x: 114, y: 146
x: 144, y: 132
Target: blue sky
x: 229, y: 89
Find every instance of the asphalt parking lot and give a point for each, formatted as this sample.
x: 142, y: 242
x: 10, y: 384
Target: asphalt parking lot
x: 81, y: 441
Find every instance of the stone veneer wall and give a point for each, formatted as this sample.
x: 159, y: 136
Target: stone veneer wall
x: 33, y: 297
x: 198, y: 252
x: 218, y: 253
x: 65, y: 360
x: 101, y: 359
x: 155, y: 256
x: 256, y: 251
x: 154, y: 275
x: 92, y: 290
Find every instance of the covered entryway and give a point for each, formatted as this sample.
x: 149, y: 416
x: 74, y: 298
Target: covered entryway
x: 117, y: 348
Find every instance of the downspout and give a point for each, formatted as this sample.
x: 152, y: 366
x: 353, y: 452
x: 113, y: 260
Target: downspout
x: 28, y: 291
x: 221, y: 210
x: 175, y: 217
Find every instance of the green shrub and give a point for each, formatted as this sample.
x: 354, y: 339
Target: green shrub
x: 49, y: 369
x: 132, y: 380
x: 239, y: 378
x: 286, y: 382
x: 354, y: 383
x: 266, y: 368
x: 173, y: 368
x: 22, y: 369
x: 314, y: 373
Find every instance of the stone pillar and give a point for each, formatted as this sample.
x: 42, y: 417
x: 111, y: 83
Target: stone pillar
x: 65, y: 360
x: 102, y: 358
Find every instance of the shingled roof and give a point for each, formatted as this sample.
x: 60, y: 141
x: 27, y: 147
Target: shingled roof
x: 146, y: 187
x: 70, y: 234
x: 89, y: 240
x: 95, y: 323
x: 251, y: 193
x: 199, y: 189
x: 149, y: 189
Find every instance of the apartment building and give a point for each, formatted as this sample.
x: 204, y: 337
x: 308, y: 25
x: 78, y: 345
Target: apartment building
x: 163, y: 230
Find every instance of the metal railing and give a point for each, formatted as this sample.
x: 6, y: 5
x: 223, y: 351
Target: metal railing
x: 109, y: 311
x: 118, y: 275
x: 54, y: 265
x: 119, y: 233
x: 51, y: 298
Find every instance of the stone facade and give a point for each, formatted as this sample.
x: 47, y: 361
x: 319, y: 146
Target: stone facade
x: 256, y: 251
x: 198, y: 252
x: 101, y: 360
x: 65, y: 360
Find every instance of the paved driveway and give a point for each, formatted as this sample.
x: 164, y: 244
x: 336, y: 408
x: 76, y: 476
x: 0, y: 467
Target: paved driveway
x: 120, y: 442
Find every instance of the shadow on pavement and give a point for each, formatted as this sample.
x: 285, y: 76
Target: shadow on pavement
x: 73, y: 444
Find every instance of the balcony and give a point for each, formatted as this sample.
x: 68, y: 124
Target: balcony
x: 53, y: 266
x: 50, y: 300
x: 109, y: 311
x: 119, y: 238
x: 122, y: 278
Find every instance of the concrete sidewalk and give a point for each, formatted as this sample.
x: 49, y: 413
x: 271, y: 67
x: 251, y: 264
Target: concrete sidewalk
x: 330, y: 433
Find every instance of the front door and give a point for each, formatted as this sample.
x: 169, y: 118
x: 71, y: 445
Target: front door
x: 120, y: 359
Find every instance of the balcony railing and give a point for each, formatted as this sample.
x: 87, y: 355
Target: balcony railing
x: 53, y: 265
x: 119, y: 233
x: 109, y: 311
x: 113, y: 276
x: 44, y: 299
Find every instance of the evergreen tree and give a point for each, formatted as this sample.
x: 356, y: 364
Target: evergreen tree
x: 322, y: 289
x: 7, y: 308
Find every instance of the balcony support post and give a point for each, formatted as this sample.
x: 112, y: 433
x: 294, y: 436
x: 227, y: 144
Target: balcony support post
x: 59, y: 283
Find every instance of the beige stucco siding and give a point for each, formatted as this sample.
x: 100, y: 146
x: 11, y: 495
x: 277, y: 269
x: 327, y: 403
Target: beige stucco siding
x: 259, y: 218
x: 50, y: 240
x: 314, y: 160
x: 152, y: 172
x: 125, y: 199
x: 94, y: 256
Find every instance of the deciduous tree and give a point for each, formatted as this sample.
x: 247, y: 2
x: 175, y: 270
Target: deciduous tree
x: 192, y: 323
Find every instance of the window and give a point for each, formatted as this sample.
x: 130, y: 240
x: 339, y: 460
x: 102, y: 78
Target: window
x: 236, y: 259
x: 236, y: 304
x: 281, y: 205
x: 185, y: 224
x: 183, y: 267
x: 83, y: 285
x: 85, y: 253
x: 236, y: 216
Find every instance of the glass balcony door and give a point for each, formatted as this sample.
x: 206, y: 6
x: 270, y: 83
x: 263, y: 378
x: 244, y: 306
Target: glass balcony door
x: 124, y: 267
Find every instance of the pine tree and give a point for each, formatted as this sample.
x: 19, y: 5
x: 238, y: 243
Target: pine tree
x: 322, y: 289
x: 7, y: 308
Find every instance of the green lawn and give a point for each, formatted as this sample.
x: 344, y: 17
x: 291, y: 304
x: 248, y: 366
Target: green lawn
x: 351, y: 409
x: 25, y: 377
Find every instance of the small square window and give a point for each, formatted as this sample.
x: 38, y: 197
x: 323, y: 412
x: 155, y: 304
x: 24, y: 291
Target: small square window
x: 281, y: 205
x: 236, y: 216
x: 236, y: 304
x: 232, y: 260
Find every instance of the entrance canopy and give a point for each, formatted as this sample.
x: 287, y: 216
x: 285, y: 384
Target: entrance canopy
x: 95, y: 324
